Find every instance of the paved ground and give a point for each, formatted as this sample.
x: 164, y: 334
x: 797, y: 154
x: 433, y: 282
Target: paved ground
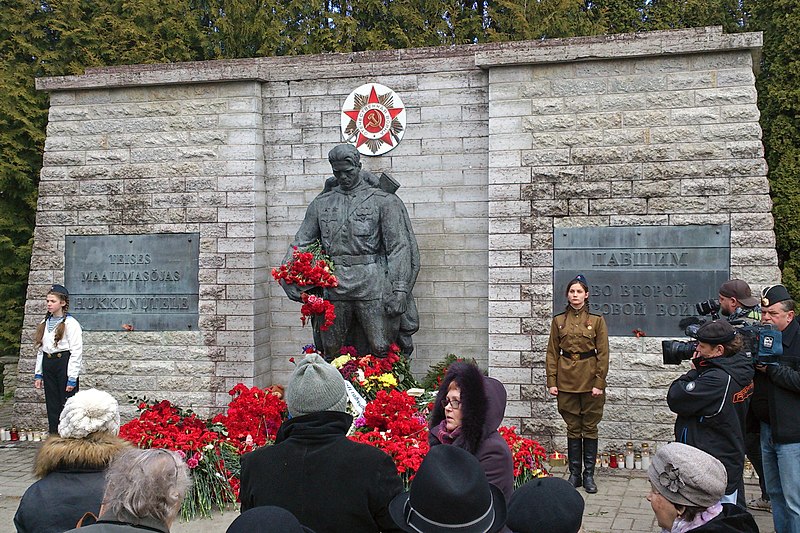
x: 619, y: 504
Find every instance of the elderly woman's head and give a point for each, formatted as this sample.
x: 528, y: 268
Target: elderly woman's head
x: 684, y: 482
x: 145, y: 485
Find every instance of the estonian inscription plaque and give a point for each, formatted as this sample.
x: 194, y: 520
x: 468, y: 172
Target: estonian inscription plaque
x: 143, y: 282
x: 645, y: 277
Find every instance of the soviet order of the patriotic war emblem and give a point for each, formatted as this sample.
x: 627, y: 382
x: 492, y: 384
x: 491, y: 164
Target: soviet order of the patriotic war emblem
x: 374, y: 119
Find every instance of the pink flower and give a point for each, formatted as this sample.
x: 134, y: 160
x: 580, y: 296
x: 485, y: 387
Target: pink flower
x: 192, y: 462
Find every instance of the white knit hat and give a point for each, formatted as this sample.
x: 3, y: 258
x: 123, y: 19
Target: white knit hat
x: 87, y: 412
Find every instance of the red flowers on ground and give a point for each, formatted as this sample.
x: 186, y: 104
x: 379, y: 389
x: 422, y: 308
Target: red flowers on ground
x: 528, y: 456
x: 253, y: 417
x: 392, y: 423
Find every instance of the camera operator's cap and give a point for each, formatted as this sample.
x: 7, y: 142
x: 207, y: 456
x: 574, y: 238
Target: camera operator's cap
x: 716, y: 332
x: 59, y: 289
x: 774, y: 294
x: 739, y: 289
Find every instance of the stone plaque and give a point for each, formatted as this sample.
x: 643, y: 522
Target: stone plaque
x: 646, y: 277
x: 139, y: 282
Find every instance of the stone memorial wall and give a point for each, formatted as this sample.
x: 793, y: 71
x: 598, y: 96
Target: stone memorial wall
x: 505, y: 145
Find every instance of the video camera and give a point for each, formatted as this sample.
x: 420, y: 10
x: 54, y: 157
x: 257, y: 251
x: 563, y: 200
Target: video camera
x: 762, y: 343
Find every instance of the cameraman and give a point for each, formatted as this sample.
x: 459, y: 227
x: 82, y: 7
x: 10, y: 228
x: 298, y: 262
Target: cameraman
x: 711, y: 401
x: 739, y: 306
x: 780, y: 424
x: 736, y: 301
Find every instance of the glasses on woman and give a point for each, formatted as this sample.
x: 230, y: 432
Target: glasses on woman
x: 455, y: 404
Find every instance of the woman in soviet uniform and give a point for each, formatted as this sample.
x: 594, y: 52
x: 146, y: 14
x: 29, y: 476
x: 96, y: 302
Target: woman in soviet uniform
x: 577, y: 365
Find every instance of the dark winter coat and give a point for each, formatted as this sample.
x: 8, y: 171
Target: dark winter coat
x: 330, y: 483
x: 108, y: 525
x: 783, y: 389
x: 711, y: 403
x: 732, y: 519
x: 72, y: 473
x: 483, y: 405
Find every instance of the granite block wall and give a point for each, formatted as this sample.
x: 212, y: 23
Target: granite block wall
x: 504, y: 144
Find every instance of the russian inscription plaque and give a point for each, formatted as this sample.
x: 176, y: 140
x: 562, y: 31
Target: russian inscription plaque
x: 645, y: 277
x: 143, y: 282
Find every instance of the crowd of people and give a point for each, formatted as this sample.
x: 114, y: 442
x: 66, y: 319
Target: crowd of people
x: 730, y: 405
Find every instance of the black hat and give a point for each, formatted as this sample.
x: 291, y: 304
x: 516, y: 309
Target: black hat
x: 739, y: 289
x: 450, y: 494
x: 548, y: 504
x: 59, y: 289
x: 716, y: 332
x: 266, y: 519
x: 773, y: 295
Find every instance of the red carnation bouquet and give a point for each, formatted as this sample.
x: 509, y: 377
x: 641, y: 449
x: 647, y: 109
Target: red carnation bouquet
x: 310, y: 268
x: 253, y: 417
x: 392, y: 423
x: 528, y: 456
x: 316, y: 305
x: 214, y: 464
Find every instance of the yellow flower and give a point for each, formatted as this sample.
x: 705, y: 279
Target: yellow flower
x: 340, y: 361
x: 387, y: 381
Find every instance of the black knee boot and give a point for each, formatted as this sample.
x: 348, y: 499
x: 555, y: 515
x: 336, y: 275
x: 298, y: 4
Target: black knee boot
x: 589, y: 458
x: 574, y: 456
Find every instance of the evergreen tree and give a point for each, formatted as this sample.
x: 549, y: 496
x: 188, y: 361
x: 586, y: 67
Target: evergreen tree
x: 23, y: 116
x: 779, y: 101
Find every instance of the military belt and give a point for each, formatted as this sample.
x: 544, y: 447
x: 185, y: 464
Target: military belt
x: 579, y: 355
x: 351, y: 260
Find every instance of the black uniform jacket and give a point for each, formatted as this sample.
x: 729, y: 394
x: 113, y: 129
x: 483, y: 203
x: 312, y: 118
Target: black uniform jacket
x: 711, y: 403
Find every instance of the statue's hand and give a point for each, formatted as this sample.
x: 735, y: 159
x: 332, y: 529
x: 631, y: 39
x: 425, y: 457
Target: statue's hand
x: 396, y: 305
x: 292, y: 291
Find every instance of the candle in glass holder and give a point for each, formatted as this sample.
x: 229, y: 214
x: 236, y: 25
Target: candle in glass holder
x: 645, y: 456
x: 612, y: 461
x: 637, y: 461
x: 604, y: 460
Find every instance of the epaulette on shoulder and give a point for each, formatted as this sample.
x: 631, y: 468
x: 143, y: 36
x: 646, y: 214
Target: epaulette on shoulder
x: 559, y: 314
x: 596, y: 314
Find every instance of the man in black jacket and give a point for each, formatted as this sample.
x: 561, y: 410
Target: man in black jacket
x: 330, y: 483
x: 780, y: 433
x: 711, y: 401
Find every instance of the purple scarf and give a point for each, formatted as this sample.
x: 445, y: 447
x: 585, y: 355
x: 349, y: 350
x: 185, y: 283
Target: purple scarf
x: 447, y: 437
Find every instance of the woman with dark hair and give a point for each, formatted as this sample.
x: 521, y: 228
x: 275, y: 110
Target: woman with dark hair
x: 577, y: 365
x: 468, y: 410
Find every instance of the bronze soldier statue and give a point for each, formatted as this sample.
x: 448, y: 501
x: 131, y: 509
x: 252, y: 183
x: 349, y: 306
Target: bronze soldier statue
x: 365, y: 228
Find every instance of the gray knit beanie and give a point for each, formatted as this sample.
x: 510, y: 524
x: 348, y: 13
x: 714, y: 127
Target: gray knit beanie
x: 315, y: 386
x: 686, y: 475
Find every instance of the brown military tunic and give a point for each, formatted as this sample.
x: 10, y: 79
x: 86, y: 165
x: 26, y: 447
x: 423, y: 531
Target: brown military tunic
x: 576, y: 333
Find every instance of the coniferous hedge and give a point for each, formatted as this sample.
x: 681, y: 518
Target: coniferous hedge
x: 60, y: 37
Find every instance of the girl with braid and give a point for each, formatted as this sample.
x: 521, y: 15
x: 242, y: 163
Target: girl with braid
x: 59, y: 344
